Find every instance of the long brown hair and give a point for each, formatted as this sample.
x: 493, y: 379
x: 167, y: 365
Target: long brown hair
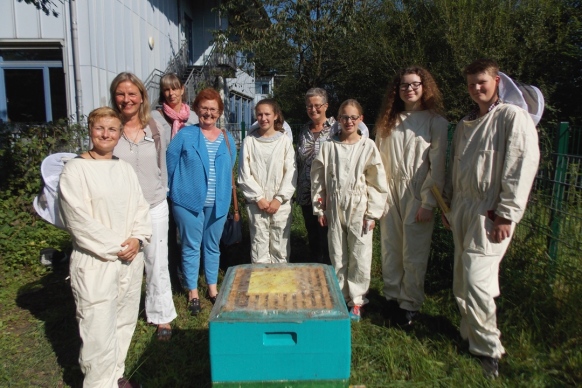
x: 276, y: 110
x: 431, y: 99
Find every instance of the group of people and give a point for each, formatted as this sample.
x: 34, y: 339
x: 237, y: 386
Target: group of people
x: 114, y: 201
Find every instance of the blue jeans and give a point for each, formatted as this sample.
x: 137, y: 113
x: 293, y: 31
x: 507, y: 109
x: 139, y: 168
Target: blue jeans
x: 199, y: 232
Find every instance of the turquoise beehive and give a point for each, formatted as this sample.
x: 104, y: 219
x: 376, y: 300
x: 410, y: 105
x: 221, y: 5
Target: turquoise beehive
x: 280, y: 323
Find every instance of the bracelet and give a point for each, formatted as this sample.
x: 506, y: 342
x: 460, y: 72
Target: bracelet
x: 236, y: 211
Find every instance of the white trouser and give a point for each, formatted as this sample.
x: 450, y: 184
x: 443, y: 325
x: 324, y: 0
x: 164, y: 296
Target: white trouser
x: 350, y: 251
x: 107, y: 295
x: 270, y: 242
x: 476, y: 278
x: 159, y: 304
x: 405, y: 251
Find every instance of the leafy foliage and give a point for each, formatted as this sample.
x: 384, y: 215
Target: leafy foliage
x: 353, y: 48
x: 22, y: 149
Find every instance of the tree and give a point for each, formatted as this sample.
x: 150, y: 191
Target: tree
x: 353, y: 48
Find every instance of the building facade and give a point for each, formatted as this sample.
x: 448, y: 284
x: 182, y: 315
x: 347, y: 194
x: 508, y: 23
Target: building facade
x: 58, y: 58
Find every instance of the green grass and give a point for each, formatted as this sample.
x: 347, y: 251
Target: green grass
x: 39, y: 344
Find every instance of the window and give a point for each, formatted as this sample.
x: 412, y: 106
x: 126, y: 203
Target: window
x: 32, y: 85
x: 265, y: 89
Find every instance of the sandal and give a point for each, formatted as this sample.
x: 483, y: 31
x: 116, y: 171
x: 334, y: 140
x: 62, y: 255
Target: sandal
x: 164, y: 333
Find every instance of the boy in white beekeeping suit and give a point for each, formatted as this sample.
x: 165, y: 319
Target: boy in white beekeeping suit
x: 494, y: 159
x: 348, y: 191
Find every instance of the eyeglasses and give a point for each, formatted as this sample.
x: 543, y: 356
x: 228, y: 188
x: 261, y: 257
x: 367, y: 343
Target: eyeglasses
x: 315, y: 106
x: 413, y: 85
x: 347, y: 118
x: 204, y: 109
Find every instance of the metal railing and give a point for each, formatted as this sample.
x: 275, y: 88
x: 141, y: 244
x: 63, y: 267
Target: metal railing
x: 178, y: 64
x: 214, y: 62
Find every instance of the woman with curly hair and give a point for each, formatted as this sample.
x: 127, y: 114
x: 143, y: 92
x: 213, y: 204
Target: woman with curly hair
x: 412, y: 139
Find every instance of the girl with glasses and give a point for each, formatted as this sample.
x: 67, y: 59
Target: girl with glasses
x: 349, y: 191
x: 412, y: 139
x: 267, y: 178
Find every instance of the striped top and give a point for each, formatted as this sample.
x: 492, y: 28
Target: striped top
x: 212, y: 147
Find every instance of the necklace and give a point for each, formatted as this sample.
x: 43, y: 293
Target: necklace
x: 89, y: 152
x: 132, y: 142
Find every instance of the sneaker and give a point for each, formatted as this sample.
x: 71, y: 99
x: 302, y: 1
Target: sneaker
x: 125, y: 383
x: 194, y: 306
x: 490, y: 367
x: 356, y: 313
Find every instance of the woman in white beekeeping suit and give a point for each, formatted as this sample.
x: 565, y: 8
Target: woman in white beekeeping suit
x: 348, y: 187
x: 412, y: 138
x: 494, y: 160
x: 267, y: 178
x: 105, y: 212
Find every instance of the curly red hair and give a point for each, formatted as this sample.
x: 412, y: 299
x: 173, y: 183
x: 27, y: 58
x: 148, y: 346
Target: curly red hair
x: 431, y: 99
x: 210, y: 95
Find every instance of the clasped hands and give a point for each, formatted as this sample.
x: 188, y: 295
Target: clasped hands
x: 269, y: 207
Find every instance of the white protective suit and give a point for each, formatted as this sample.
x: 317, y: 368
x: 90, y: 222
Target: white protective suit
x: 494, y: 160
x: 102, y: 205
x: 414, y: 157
x: 348, y: 185
x: 267, y: 170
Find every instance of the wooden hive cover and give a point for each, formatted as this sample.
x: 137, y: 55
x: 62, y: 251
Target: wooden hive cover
x: 279, y: 291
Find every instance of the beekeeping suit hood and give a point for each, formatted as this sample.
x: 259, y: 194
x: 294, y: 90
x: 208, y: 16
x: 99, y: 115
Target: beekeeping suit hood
x: 527, y: 97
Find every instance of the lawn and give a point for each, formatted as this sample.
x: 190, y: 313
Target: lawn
x: 39, y: 345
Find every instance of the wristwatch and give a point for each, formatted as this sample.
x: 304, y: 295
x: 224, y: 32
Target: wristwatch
x: 140, y: 243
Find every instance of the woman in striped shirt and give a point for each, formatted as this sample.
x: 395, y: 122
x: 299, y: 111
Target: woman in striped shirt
x: 200, y: 161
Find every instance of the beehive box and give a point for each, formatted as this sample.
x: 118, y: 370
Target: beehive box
x: 273, y: 324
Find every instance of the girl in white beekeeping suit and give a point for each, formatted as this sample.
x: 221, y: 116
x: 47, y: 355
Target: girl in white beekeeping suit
x: 267, y: 177
x: 348, y: 190
x: 412, y: 138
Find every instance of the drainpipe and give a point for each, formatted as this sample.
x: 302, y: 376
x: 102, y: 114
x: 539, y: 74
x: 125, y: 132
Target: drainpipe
x: 76, y: 65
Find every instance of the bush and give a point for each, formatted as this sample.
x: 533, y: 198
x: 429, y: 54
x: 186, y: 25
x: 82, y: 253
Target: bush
x: 22, y: 149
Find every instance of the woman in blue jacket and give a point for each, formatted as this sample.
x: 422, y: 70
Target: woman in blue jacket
x: 200, y: 162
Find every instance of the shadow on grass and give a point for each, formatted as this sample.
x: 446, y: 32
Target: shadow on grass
x: 183, y: 361
x: 50, y: 300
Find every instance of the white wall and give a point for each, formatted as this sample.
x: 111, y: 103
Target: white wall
x: 113, y: 37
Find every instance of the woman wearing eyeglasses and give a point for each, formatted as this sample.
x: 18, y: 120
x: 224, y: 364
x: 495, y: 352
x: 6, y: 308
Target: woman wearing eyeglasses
x: 412, y: 139
x: 349, y: 194
x: 200, y: 159
x: 312, y: 135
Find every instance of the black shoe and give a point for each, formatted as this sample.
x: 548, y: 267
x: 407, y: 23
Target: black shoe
x: 194, y: 306
x: 490, y: 367
x: 212, y: 299
x: 407, y: 317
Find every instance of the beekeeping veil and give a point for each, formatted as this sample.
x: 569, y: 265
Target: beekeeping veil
x: 527, y: 97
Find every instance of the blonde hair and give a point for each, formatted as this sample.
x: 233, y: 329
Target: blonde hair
x: 144, y: 108
x: 99, y: 113
x: 350, y: 102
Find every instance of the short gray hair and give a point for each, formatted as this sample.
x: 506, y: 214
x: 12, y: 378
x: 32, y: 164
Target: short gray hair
x: 316, y: 92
